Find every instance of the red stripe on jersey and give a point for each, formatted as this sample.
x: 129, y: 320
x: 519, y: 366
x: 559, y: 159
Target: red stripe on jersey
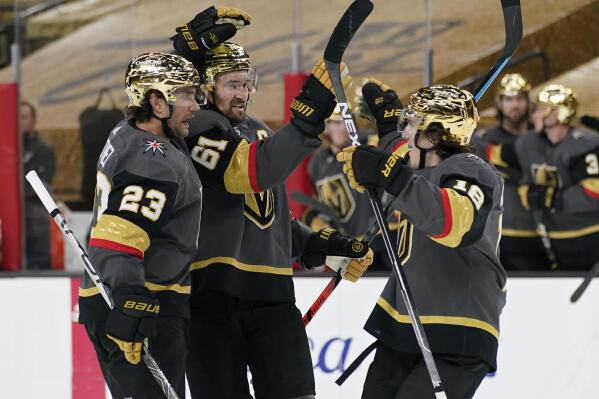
x: 448, y: 218
x: 591, y: 193
x: 252, y: 167
x: 488, y: 152
x: 115, y: 246
x: 399, y: 144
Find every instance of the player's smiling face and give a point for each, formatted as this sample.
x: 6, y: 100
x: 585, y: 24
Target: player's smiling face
x: 183, y: 110
x: 232, y: 91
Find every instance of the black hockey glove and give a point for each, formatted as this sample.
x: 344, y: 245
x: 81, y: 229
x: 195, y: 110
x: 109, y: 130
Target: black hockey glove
x: 537, y: 197
x: 340, y: 251
x: 207, y: 30
x: 366, y: 166
x: 316, y: 101
x: 132, y: 320
x: 379, y: 103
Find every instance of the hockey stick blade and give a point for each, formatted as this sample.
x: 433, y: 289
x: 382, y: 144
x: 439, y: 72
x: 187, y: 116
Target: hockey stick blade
x: 585, y: 283
x: 512, y: 18
x: 347, y: 26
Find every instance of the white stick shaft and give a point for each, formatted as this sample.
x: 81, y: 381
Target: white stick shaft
x: 41, y: 191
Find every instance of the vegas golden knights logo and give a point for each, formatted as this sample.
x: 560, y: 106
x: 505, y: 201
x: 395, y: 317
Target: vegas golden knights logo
x: 335, y: 192
x: 545, y: 175
x: 260, y: 208
x: 405, y: 232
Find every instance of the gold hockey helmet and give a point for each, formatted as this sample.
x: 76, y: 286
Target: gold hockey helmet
x: 227, y: 57
x: 513, y: 84
x: 158, y: 71
x: 452, y: 107
x: 561, y: 98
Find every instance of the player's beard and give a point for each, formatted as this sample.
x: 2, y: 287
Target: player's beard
x: 235, y: 111
x: 515, y: 118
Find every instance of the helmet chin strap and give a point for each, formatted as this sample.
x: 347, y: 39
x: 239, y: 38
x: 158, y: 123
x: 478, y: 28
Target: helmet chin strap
x: 423, y: 151
x: 167, y: 129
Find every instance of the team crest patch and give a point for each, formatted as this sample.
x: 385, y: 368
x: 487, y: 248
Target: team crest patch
x: 154, y: 146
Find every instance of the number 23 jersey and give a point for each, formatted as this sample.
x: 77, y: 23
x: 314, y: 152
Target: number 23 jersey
x: 146, y: 220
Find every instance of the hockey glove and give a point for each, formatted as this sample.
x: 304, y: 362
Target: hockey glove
x: 316, y: 101
x: 132, y: 320
x: 207, y: 30
x: 378, y: 103
x: 366, y: 166
x: 537, y: 197
x: 341, y: 253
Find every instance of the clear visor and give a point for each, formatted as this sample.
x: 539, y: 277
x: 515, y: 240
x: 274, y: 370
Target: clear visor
x: 244, y: 81
x: 189, y: 96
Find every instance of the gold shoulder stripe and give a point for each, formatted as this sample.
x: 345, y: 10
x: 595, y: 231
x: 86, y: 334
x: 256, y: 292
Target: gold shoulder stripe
x: 87, y: 292
x: 459, y: 213
x: 449, y: 320
x: 591, y: 187
x: 181, y: 289
x: 236, y: 177
x: 121, y: 231
x: 285, y: 271
x: 494, y: 155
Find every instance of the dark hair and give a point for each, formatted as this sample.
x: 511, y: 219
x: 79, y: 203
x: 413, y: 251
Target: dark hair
x: 144, y: 113
x: 31, y: 107
x: 445, y: 148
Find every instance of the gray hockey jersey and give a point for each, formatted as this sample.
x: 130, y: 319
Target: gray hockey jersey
x: 146, y: 220
x: 248, y: 238
x: 572, y: 167
x: 448, y: 232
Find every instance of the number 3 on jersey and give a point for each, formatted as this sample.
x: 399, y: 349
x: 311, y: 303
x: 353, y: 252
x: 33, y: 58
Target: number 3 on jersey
x: 206, y: 152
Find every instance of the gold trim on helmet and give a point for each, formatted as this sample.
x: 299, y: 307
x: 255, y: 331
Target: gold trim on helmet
x: 452, y: 107
x: 561, y: 98
x: 513, y: 84
x: 158, y: 71
x: 227, y: 57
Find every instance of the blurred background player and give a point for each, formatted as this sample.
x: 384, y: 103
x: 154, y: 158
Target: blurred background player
x: 39, y: 156
x: 243, y: 309
x: 144, y: 230
x: 450, y: 202
x: 561, y: 178
x: 520, y: 246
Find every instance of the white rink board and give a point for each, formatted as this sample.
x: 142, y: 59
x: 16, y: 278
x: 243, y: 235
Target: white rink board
x: 549, y: 347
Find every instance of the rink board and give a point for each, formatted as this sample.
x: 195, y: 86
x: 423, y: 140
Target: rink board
x: 549, y: 347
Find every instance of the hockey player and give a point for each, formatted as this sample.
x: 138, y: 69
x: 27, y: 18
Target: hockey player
x: 561, y: 178
x: 243, y: 303
x: 145, y: 227
x: 450, y: 204
x: 520, y: 247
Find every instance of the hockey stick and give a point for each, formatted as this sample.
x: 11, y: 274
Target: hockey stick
x: 537, y: 217
x: 330, y: 287
x: 585, y: 283
x: 315, y: 204
x: 512, y: 18
x: 343, y: 33
x: 52, y: 209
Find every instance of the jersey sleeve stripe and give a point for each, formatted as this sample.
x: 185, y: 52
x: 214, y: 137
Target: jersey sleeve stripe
x: 591, y: 187
x: 493, y: 155
x: 401, y: 148
x: 240, y: 175
x: 252, y: 167
x: 121, y: 232
x: 447, y: 211
x: 115, y: 246
x: 459, y: 217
